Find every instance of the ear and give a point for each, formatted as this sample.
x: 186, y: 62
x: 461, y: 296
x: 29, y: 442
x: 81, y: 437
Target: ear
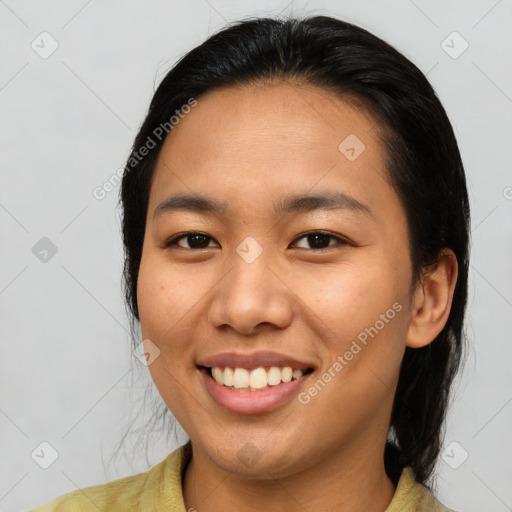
x: 432, y: 301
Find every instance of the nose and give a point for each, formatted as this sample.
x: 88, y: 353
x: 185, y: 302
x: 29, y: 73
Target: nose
x: 252, y: 296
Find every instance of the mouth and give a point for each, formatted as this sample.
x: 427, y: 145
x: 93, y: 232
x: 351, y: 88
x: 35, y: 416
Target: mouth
x: 255, y: 390
x: 255, y: 379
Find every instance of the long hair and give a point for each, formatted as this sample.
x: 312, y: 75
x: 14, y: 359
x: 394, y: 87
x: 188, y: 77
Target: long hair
x: 423, y: 162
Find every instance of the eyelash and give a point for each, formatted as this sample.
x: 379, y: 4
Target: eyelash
x: 341, y: 241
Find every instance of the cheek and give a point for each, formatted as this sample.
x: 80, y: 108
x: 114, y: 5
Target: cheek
x: 164, y: 302
x: 348, y: 299
x: 363, y: 325
x: 164, y: 297
x: 360, y: 315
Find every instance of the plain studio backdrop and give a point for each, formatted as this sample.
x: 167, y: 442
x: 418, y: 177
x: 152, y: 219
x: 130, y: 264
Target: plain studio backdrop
x: 76, y: 79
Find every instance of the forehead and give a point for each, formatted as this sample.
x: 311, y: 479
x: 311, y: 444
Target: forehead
x: 249, y: 143
x: 294, y: 118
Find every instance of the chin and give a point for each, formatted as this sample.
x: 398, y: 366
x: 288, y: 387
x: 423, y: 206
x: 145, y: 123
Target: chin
x: 261, y: 460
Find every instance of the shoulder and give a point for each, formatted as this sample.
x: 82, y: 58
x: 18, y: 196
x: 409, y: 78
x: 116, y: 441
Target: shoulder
x: 411, y: 496
x: 158, y: 487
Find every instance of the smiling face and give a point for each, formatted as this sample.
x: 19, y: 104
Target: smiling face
x: 252, y: 280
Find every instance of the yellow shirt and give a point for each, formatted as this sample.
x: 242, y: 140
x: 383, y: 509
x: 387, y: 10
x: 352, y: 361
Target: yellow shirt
x: 159, y: 490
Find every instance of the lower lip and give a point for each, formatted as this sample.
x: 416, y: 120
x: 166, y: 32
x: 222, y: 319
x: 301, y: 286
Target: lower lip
x: 252, y: 402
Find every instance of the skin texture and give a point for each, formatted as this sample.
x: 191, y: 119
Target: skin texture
x: 250, y: 146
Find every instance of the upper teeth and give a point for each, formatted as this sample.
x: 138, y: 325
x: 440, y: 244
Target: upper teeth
x: 258, y: 378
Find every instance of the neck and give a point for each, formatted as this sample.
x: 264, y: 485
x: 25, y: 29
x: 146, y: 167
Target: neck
x: 355, y: 481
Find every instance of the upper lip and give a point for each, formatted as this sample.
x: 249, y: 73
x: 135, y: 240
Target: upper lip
x: 253, y: 360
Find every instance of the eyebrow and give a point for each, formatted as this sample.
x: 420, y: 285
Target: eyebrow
x: 322, y: 200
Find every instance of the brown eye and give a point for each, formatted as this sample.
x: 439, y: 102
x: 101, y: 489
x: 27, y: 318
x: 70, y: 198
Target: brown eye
x: 194, y: 240
x: 319, y: 240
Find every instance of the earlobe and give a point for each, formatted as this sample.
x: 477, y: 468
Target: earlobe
x: 432, y: 301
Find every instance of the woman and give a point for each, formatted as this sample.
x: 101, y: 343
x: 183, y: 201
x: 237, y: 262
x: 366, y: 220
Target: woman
x: 295, y: 223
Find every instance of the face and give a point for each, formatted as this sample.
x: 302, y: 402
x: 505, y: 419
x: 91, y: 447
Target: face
x: 319, y: 285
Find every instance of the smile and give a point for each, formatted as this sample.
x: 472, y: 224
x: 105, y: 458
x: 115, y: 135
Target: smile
x: 253, y: 391
x: 255, y: 379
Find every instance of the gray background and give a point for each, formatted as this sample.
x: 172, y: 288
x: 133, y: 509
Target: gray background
x: 67, y: 123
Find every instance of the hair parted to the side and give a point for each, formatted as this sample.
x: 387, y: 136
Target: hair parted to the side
x: 423, y: 162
